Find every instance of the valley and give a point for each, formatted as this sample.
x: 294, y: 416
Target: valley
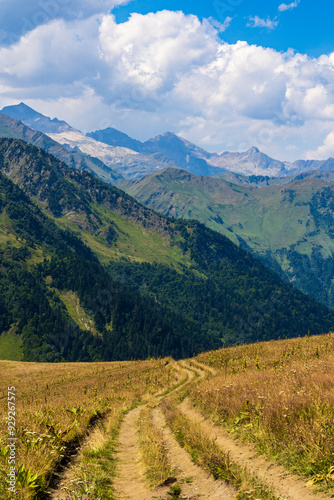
x: 287, y: 225
x: 144, y: 284
x: 285, y: 220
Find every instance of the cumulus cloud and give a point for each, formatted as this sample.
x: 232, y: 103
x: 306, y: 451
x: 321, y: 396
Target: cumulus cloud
x: 168, y: 70
x: 283, y: 7
x: 58, y: 55
x: 257, y: 22
x: 326, y: 150
x: 153, y: 52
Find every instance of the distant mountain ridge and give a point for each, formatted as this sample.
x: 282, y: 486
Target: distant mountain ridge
x: 35, y: 120
x: 113, y: 137
x: 73, y: 157
x: 288, y: 223
x: 121, y: 160
x: 186, y: 154
x: 196, y: 160
x: 134, y: 159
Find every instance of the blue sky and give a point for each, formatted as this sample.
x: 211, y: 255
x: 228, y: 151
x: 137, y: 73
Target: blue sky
x: 224, y: 74
x: 306, y: 28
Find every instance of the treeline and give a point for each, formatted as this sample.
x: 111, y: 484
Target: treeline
x: 131, y: 326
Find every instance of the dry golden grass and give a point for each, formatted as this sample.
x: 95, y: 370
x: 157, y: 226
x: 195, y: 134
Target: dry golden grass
x: 205, y: 453
x: 92, y: 472
x: 56, y: 403
x: 153, y: 450
x: 280, y: 396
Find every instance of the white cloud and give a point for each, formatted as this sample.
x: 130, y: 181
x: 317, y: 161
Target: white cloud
x: 170, y: 71
x: 326, y: 150
x: 220, y: 27
x: 59, y: 55
x: 283, y: 7
x: 257, y: 22
x: 151, y: 53
x: 239, y: 79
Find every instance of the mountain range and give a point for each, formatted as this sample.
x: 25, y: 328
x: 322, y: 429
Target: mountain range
x: 284, y: 221
x: 288, y: 226
x: 196, y: 160
x: 133, y: 159
x: 73, y: 157
x: 119, y: 160
x: 88, y: 273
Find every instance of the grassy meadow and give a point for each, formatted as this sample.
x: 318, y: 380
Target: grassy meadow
x: 278, y: 395
x: 56, y: 404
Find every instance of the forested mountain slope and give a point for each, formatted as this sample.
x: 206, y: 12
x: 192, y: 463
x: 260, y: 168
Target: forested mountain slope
x: 143, y: 283
x: 40, y: 262
x: 290, y: 227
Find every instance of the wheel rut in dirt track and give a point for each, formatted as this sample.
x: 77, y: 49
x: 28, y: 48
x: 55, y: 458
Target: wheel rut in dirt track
x: 201, y: 484
x: 130, y: 481
x: 196, y: 483
x: 285, y: 485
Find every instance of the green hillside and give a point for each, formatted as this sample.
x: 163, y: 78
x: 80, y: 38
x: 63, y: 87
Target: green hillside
x: 37, y: 260
x: 289, y: 227
x: 88, y: 273
x: 10, y: 346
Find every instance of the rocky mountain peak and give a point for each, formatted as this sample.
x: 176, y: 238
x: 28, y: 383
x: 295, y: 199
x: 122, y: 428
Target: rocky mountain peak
x: 253, y: 150
x: 34, y: 119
